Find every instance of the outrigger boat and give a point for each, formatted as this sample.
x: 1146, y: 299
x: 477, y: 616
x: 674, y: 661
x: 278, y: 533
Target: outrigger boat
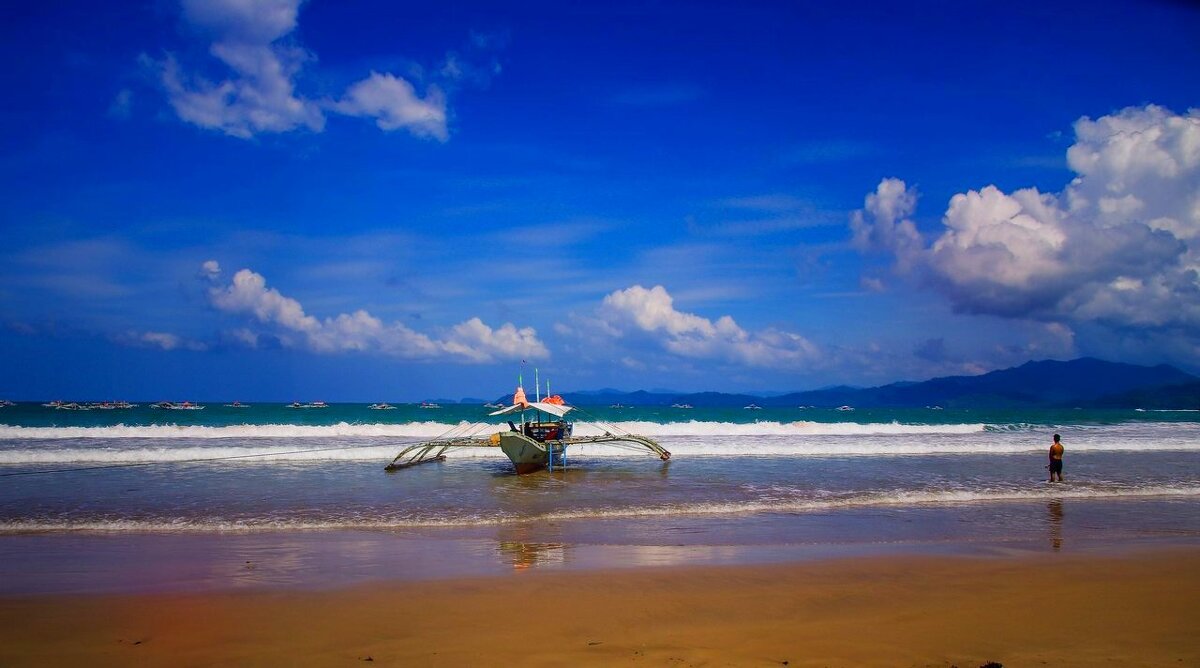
x: 538, y: 443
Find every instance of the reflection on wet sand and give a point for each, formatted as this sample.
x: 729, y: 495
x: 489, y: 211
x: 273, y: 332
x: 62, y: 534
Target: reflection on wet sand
x: 1055, y: 510
x: 525, y: 555
x: 515, y: 545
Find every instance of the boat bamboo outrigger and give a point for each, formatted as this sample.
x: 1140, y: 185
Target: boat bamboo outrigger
x: 538, y: 443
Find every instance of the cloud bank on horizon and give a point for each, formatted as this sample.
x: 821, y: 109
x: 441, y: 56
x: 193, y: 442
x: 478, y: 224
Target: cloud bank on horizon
x: 1118, y: 246
x: 283, y: 320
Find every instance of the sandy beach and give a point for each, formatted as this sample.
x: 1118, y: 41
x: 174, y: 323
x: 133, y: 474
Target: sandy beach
x: 1131, y: 609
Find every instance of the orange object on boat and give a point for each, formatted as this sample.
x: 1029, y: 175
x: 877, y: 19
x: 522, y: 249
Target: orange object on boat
x: 519, y: 397
x: 556, y: 400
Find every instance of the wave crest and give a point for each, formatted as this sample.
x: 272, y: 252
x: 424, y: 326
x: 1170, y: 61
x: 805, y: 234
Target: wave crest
x: 433, y: 429
x: 863, y: 500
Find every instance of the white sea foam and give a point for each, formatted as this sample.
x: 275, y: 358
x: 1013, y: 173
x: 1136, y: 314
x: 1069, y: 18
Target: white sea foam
x: 172, y: 431
x: 699, y: 509
x: 434, y: 429
x: 797, y: 444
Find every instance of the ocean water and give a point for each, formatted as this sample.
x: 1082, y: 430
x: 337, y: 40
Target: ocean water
x: 741, y: 485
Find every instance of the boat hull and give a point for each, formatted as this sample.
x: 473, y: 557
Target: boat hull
x: 526, y: 454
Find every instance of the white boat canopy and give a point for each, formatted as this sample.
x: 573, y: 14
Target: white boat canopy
x: 558, y: 410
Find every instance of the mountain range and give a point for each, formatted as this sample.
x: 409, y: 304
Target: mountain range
x: 1084, y: 383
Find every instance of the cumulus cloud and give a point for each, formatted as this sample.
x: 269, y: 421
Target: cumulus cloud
x: 210, y: 269
x: 261, y: 95
x: 652, y: 312
x: 247, y: 37
x: 884, y: 222
x: 394, y: 105
x: 247, y: 294
x: 1118, y: 245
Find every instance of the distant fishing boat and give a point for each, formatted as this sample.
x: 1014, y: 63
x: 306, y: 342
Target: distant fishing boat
x: 429, y: 404
x: 618, y: 406
x: 540, y: 441
x: 382, y: 407
x: 752, y: 407
x: 845, y: 408
x: 5, y: 403
x: 237, y: 404
x: 172, y: 406
x: 111, y: 405
x: 681, y: 406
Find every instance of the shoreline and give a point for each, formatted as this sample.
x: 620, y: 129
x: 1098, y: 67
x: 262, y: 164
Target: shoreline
x: 42, y: 564
x: 1134, y: 608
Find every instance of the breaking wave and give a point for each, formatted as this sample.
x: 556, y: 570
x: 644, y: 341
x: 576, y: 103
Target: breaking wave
x: 122, y: 451
x: 699, y: 509
x: 434, y: 429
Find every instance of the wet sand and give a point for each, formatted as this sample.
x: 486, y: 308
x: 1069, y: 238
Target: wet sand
x: 1135, y: 609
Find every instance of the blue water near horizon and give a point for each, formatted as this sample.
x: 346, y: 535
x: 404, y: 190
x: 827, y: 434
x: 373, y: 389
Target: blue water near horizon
x: 768, y: 482
x: 33, y: 414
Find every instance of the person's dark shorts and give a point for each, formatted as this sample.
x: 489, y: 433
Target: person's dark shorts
x: 1056, y: 466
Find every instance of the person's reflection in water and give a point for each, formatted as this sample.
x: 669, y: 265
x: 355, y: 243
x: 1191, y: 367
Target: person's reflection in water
x: 515, y: 545
x: 1055, y: 508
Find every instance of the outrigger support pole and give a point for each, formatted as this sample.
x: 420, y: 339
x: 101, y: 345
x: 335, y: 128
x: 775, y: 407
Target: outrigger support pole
x: 629, y: 438
x: 435, y: 451
x: 429, y: 451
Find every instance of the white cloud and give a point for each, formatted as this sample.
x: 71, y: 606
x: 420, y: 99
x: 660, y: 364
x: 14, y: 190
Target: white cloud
x: 471, y: 341
x: 652, y: 311
x: 884, y: 223
x: 246, y: 21
x: 162, y: 340
x: 476, y: 341
x: 261, y: 95
x: 248, y: 293
x: 395, y: 105
x: 1120, y: 245
x: 210, y: 269
x: 244, y: 336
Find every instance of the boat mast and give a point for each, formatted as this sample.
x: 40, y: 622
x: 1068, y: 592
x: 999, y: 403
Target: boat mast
x: 521, y: 387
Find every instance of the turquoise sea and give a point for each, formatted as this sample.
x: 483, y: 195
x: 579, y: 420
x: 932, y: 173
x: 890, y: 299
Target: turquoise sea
x: 298, y: 491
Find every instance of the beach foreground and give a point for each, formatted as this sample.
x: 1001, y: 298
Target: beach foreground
x: 1134, y: 609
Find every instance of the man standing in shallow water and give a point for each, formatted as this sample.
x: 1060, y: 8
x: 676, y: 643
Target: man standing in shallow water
x: 1056, y: 455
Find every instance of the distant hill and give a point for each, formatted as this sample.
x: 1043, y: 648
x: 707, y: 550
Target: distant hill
x: 1085, y: 382
x: 1081, y: 382
x: 1183, y: 396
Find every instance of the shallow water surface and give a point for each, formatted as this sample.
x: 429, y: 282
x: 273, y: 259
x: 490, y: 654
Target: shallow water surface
x: 320, y: 509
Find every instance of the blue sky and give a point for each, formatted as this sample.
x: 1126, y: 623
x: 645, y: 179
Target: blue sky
x: 277, y: 201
